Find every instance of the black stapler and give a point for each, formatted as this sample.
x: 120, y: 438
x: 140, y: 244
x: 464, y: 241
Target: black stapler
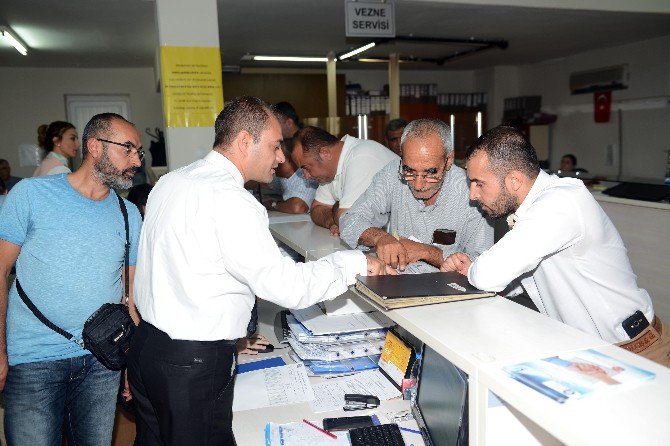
x: 356, y: 401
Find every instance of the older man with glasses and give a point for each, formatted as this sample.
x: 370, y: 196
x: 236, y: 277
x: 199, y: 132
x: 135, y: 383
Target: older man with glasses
x: 418, y: 209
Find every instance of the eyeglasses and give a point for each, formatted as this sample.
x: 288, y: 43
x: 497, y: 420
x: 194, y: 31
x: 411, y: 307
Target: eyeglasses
x: 409, y: 175
x: 129, y: 148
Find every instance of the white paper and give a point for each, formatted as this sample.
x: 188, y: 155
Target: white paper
x: 317, y: 322
x: 300, y: 333
x: 346, y: 304
x: 302, y: 434
x: 276, y: 386
x: 419, y: 268
x: 336, y: 352
x: 329, y: 394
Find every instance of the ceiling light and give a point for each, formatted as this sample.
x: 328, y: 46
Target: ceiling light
x: 290, y: 59
x: 11, y: 37
x: 356, y: 51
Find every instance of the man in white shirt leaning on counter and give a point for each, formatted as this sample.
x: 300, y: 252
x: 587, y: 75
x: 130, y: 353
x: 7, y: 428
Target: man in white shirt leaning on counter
x: 344, y: 169
x: 204, y: 252
x: 564, y: 248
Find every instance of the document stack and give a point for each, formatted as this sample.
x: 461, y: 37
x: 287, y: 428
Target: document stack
x: 336, y: 345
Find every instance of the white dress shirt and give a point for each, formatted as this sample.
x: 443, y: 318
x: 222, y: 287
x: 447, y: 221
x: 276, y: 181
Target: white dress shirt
x: 571, y: 260
x: 205, y: 251
x: 359, y: 161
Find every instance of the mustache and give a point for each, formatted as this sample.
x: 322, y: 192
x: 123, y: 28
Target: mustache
x: 129, y: 171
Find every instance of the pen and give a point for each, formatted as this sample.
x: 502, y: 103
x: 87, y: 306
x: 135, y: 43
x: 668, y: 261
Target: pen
x: 407, y: 429
x: 331, y: 435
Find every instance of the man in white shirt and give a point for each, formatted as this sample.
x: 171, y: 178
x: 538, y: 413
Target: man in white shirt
x: 568, y: 254
x: 344, y: 169
x: 204, y: 253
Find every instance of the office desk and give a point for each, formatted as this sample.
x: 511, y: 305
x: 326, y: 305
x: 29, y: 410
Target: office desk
x: 481, y: 336
x: 282, y: 217
x: 305, y: 236
x: 249, y: 425
x: 630, y: 416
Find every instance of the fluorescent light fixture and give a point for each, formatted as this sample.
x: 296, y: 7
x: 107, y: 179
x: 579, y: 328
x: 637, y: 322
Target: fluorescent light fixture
x: 13, y: 40
x: 290, y: 59
x: 357, y: 50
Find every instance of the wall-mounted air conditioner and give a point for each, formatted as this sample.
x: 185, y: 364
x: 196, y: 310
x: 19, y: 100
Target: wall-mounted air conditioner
x: 601, y: 79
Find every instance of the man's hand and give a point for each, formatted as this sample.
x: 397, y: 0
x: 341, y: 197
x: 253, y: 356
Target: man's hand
x: 392, y: 252
x: 126, y: 394
x: 459, y: 262
x: 251, y: 345
x: 415, y: 250
x: 376, y: 267
x: 334, y: 230
x: 4, y: 368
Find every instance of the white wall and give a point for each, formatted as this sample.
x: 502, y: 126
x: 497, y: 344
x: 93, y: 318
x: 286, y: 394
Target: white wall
x: 645, y: 132
x: 34, y: 96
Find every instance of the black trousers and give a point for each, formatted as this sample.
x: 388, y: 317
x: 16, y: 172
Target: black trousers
x: 183, y: 390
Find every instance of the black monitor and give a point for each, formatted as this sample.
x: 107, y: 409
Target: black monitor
x: 441, y: 404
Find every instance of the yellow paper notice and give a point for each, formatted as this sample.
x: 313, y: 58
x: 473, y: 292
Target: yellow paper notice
x: 192, y: 85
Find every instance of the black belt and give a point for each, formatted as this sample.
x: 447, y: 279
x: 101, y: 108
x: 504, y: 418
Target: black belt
x: 160, y: 333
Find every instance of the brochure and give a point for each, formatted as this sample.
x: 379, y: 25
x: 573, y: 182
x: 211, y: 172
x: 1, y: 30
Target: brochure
x: 573, y: 375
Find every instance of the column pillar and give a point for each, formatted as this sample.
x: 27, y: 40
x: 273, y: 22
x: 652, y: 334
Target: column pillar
x: 394, y: 85
x: 192, y: 92
x: 331, y: 76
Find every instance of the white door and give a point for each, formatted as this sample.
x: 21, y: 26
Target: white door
x: 81, y: 108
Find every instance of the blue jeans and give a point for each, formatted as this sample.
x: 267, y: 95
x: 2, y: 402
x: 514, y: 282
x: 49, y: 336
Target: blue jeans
x: 41, y: 396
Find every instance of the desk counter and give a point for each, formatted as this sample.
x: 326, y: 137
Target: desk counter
x: 481, y: 336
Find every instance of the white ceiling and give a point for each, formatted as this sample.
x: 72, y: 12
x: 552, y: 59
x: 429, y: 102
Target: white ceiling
x: 122, y: 33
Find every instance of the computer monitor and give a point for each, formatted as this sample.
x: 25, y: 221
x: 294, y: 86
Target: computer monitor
x: 441, y: 404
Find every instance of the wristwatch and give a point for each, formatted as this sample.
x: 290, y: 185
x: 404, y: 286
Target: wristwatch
x: 273, y: 205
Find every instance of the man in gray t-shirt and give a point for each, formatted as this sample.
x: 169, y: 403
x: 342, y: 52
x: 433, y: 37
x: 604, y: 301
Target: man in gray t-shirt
x: 413, y: 198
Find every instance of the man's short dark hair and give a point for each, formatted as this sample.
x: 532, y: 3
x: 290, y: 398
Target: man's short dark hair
x: 313, y: 138
x: 507, y: 150
x: 572, y: 157
x: 99, y: 126
x: 286, y: 110
x: 393, y: 125
x: 245, y: 113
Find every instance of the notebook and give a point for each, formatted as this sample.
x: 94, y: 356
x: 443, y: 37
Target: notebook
x: 407, y: 290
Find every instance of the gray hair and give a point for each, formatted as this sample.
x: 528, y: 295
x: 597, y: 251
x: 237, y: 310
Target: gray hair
x: 420, y: 128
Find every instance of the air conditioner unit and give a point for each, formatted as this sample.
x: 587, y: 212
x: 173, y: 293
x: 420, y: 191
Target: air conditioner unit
x: 601, y: 79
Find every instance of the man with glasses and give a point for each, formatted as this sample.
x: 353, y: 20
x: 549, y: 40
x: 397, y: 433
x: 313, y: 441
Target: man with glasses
x: 66, y: 233
x: 422, y: 201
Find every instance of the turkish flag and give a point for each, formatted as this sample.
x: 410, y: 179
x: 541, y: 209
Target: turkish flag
x: 602, y: 104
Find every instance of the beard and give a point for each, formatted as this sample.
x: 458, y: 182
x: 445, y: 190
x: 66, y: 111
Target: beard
x: 504, y: 205
x: 112, y: 177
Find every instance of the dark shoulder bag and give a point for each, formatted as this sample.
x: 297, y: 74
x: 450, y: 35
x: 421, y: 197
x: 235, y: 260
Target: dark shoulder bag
x: 108, y: 331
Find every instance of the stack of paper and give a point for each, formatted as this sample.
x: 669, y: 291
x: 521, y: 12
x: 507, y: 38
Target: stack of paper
x: 339, y: 344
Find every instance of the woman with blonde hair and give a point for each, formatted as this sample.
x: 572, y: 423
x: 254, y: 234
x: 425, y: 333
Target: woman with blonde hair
x: 61, y: 142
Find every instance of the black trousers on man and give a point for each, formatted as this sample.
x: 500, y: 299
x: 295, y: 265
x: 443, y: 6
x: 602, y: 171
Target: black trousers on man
x: 183, y: 390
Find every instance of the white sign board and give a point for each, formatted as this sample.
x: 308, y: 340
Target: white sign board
x: 370, y: 19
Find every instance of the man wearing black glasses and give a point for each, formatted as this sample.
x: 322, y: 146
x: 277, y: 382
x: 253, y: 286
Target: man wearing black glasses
x: 67, y: 234
x: 422, y: 201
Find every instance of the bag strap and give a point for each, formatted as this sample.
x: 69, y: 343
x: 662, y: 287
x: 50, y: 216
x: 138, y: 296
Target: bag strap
x: 38, y: 314
x: 126, y: 256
